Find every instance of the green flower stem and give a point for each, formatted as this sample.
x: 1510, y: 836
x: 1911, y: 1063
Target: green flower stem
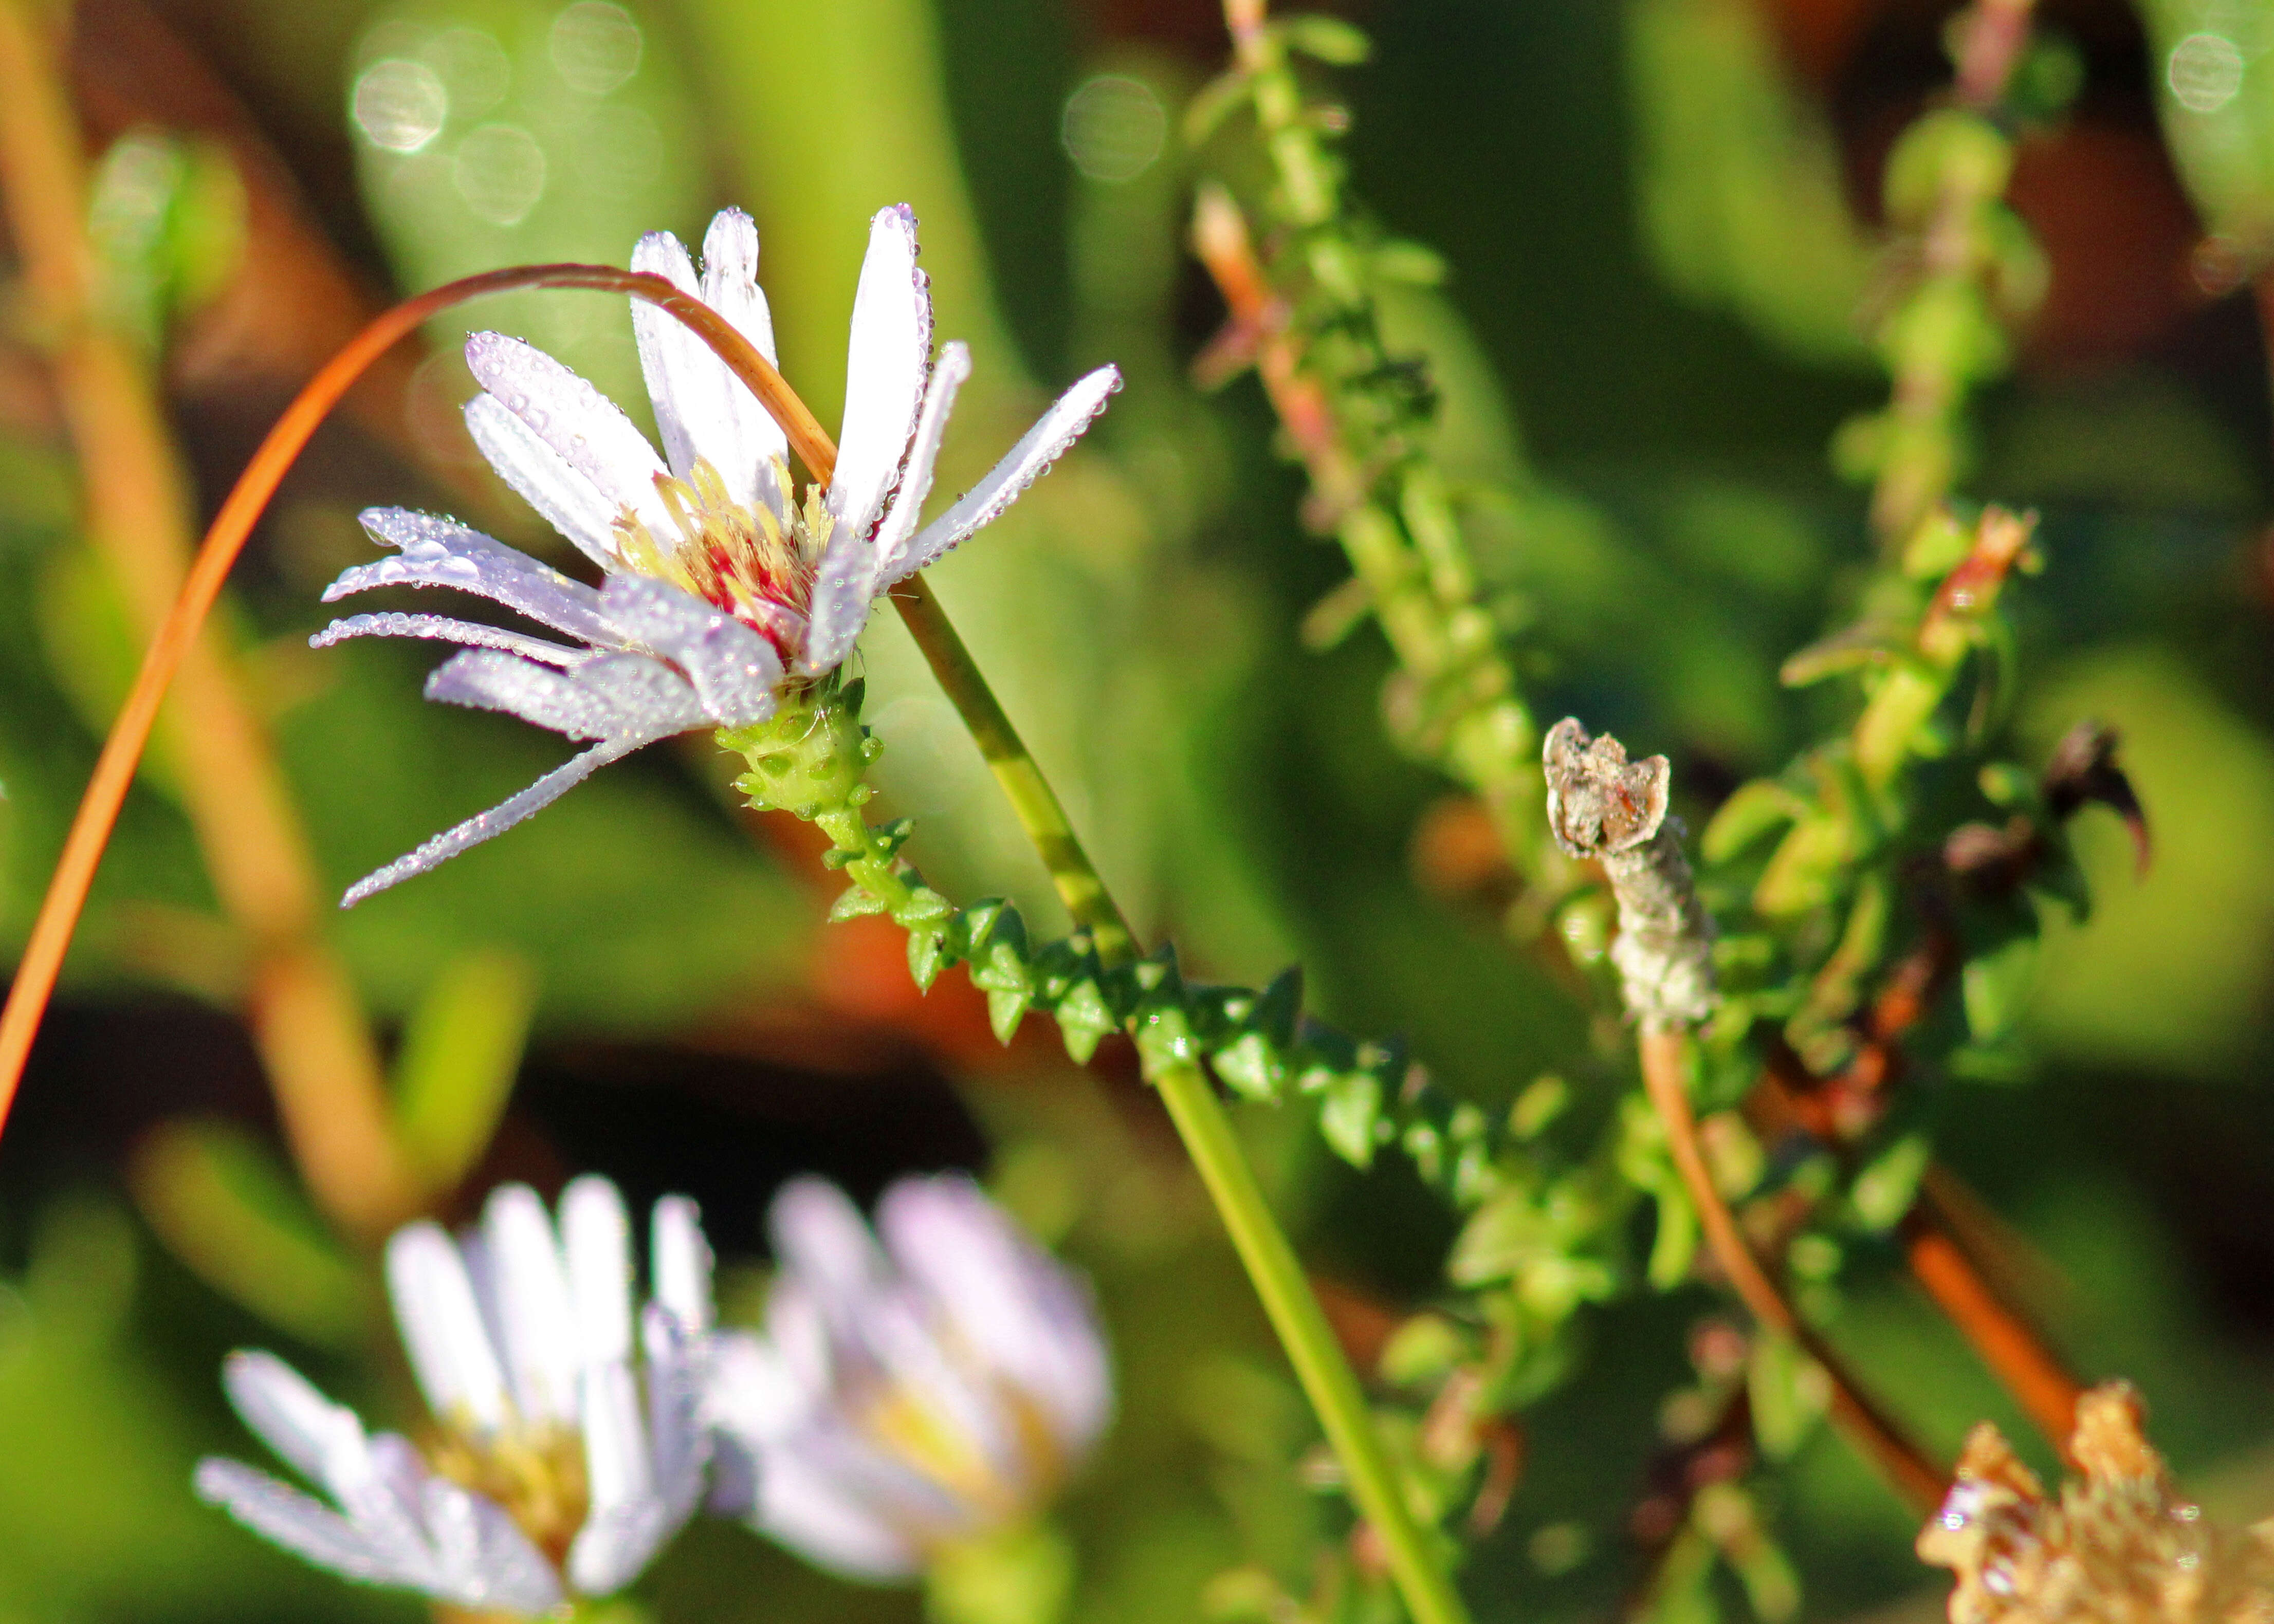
x: 1202, y: 1122
x: 1032, y: 799
x: 1319, y: 1364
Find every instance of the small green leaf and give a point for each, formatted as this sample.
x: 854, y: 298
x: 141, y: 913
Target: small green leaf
x: 1996, y: 985
x: 1747, y: 816
x: 1788, y: 1393
x: 856, y: 901
x: 1327, y: 39
x: 926, y: 956
x: 1251, y: 1067
x: 1084, y: 1019
x: 1676, y: 1243
x: 1164, y: 1040
x: 223, y: 1204
x: 461, y: 1053
x: 1348, y: 1117
x: 1884, y: 1191
x: 1006, y: 1007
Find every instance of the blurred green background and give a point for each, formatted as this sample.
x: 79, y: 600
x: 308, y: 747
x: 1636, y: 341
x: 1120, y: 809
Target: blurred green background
x: 1656, y: 219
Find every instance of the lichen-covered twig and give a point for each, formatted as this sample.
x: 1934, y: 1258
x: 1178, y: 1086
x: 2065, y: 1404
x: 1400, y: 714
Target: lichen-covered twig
x: 1604, y: 806
x: 1601, y: 806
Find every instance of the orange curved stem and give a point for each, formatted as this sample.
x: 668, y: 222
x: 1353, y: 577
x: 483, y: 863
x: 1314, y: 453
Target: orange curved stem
x: 130, y: 733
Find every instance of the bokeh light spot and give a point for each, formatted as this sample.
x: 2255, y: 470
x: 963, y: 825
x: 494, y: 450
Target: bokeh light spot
x: 501, y: 173
x: 1114, y: 127
x: 596, y: 47
x: 399, y: 105
x: 2204, y: 71
x: 474, y: 69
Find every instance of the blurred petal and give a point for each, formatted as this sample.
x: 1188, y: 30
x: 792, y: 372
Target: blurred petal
x: 1029, y: 460
x: 889, y: 347
x: 677, y: 1444
x: 450, y: 1352
x: 300, y: 1523
x: 682, y: 1263
x: 289, y: 1415
x: 820, y: 1236
x: 811, y: 1511
x: 1026, y: 1313
x: 535, y: 1315
x: 485, y: 1560
x: 596, y: 1236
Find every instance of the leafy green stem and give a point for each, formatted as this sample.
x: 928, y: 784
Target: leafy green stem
x: 810, y: 758
x: 1319, y: 1364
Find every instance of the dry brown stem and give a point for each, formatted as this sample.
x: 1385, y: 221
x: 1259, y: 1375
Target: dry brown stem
x: 305, y: 1018
x: 1860, y: 1420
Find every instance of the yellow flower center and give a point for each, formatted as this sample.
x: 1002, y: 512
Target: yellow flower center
x: 743, y: 560
x: 535, y: 1474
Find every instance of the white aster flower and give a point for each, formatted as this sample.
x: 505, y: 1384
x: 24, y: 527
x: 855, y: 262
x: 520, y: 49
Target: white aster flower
x: 556, y: 1469
x: 721, y: 582
x: 905, y: 1399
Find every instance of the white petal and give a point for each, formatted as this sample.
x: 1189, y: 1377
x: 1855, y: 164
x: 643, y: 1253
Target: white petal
x: 303, y: 1426
x: 538, y: 1320
x: 450, y: 1352
x: 485, y: 1560
x: 596, y: 1236
x: 703, y: 410
x: 886, y: 354
x: 563, y: 498
x: 820, y: 1237
x: 730, y: 286
x: 853, y: 568
x: 496, y: 821
x: 899, y: 525
x: 471, y: 633
x: 442, y: 552
x: 733, y: 670
x: 617, y: 697
x: 589, y: 431
x: 681, y: 1263
x: 300, y: 1523
x: 1029, y: 460
x: 667, y: 350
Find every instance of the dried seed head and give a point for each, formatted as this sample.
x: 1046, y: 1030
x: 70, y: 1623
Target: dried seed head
x: 2118, y: 1547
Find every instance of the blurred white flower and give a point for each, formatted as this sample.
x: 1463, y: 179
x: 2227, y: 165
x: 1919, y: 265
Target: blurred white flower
x: 721, y: 582
x: 908, y: 1398
x: 551, y: 1473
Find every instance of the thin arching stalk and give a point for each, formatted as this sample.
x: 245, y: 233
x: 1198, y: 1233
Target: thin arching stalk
x: 1319, y: 1364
